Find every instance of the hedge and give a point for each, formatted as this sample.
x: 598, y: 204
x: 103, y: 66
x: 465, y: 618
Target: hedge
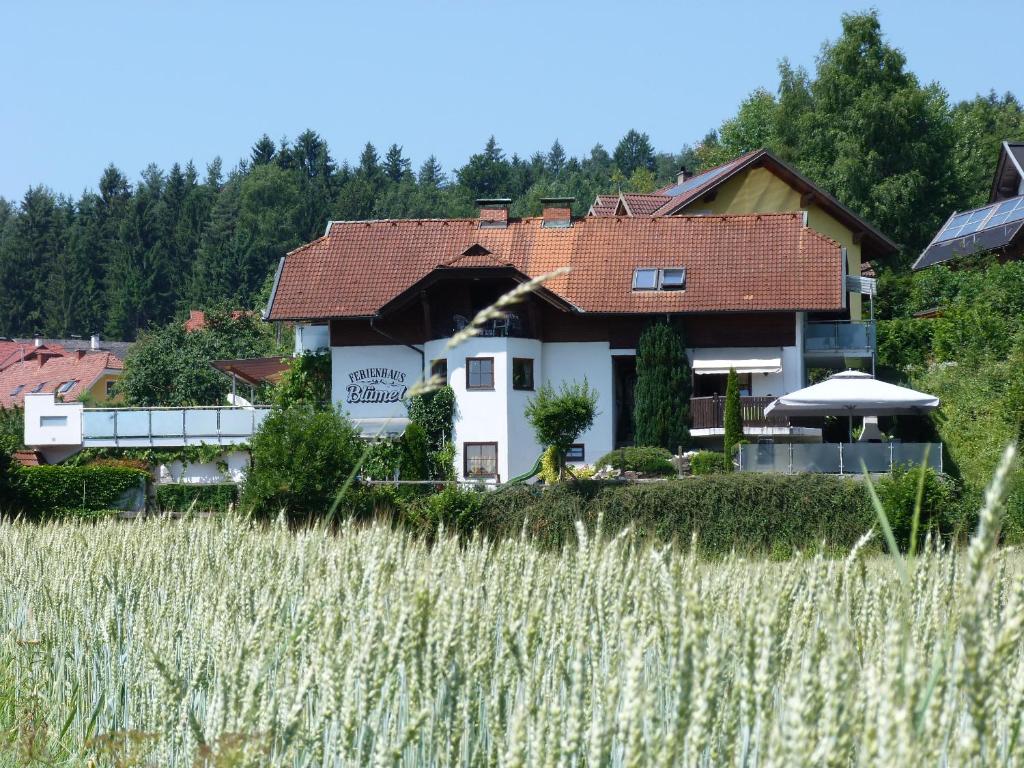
x: 186, y: 497
x: 649, y: 460
x: 709, y: 463
x: 749, y: 513
x: 61, y: 490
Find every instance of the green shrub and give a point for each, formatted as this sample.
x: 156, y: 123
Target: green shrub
x: 709, y: 463
x: 186, y: 497
x: 414, y: 450
x: 747, y: 512
x: 383, y: 459
x: 559, y: 418
x: 301, y: 458
x: 435, y: 412
x: 898, y: 493
x: 58, y: 490
x: 455, y: 509
x: 661, y: 395
x: 549, y: 465
x: 649, y: 460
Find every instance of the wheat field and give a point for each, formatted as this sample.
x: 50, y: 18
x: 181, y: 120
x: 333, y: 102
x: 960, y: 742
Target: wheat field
x: 223, y: 643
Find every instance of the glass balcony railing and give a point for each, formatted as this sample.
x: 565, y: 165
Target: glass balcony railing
x: 215, y: 423
x: 837, y: 458
x: 847, y: 337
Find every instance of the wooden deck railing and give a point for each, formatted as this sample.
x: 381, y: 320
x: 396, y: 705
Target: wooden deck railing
x: 709, y: 413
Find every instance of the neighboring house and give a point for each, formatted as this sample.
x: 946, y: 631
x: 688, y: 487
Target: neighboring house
x: 69, y: 375
x: 388, y: 295
x: 759, y: 182
x: 996, y: 227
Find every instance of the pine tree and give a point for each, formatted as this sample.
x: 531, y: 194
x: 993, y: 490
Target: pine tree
x: 556, y: 159
x: 431, y: 176
x: 396, y: 167
x: 733, y: 419
x: 263, y: 151
x: 634, y: 151
x: 661, y: 412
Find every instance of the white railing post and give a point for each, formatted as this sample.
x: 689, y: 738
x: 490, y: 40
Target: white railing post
x: 841, y: 459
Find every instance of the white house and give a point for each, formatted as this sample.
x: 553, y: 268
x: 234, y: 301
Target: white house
x: 763, y: 293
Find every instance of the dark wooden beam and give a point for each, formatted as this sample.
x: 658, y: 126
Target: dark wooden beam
x: 427, y: 328
x: 806, y: 199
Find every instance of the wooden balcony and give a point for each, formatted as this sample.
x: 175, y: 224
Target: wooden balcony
x: 709, y: 413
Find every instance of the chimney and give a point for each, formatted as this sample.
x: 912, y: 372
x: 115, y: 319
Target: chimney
x: 38, y: 342
x: 684, y: 174
x: 493, y: 212
x: 557, y: 211
x: 94, y: 341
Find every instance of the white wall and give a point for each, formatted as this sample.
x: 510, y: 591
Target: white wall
x: 370, y: 382
x: 574, y: 361
x: 205, y: 472
x: 48, y: 422
x: 311, y: 338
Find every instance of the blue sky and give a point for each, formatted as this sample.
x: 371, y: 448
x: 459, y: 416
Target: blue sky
x: 89, y: 83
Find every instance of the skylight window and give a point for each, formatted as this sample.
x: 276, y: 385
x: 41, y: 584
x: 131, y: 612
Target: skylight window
x: 66, y: 387
x: 16, y: 390
x: 667, y: 279
x: 645, y: 279
x: 673, y: 279
x: 38, y: 387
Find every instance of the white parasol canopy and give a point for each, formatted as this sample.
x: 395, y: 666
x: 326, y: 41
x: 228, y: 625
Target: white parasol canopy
x: 852, y: 393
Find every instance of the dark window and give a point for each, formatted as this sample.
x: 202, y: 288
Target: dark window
x: 66, y: 387
x: 16, y: 390
x: 710, y: 384
x: 440, y: 368
x: 522, y: 373
x: 575, y: 453
x: 673, y: 279
x: 479, y: 373
x: 39, y: 387
x: 111, y: 388
x: 480, y: 459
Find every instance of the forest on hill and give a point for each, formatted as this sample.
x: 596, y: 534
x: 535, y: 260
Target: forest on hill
x: 137, y: 253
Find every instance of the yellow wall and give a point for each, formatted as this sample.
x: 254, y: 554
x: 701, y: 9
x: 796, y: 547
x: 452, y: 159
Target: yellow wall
x: 98, y: 391
x: 758, y: 190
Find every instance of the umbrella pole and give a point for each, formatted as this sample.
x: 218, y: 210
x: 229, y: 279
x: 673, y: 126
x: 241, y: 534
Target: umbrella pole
x: 851, y: 427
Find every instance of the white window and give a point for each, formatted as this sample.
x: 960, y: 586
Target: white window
x: 673, y: 279
x: 53, y: 421
x: 66, y: 387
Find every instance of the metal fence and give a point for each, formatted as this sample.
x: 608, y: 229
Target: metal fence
x: 101, y: 424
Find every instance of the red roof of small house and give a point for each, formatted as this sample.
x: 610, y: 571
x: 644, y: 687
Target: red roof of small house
x: 253, y: 371
x: 12, y: 352
x: 197, y: 318
x: 44, y: 373
x: 643, y: 205
x: 605, y: 205
x: 759, y: 262
x: 29, y: 458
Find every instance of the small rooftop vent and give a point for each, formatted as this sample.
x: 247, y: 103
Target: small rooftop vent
x: 685, y: 174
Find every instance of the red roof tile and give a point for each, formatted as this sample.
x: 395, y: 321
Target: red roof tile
x: 644, y: 205
x: 47, y: 373
x: 768, y: 262
x: 605, y: 205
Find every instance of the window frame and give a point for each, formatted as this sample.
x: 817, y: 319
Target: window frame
x: 37, y: 388
x: 479, y: 388
x: 66, y: 387
x: 465, y: 460
x: 657, y: 278
x: 532, y: 384
x: 681, y: 286
x: 583, y: 452
x: 108, y: 388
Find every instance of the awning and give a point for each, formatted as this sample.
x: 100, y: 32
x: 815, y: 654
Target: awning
x: 370, y: 428
x: 752, y: 360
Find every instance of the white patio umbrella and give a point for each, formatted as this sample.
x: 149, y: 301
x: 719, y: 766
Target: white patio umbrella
x: 852, y: 393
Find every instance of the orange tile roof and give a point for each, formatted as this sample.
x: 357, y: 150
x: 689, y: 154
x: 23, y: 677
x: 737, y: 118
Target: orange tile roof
x: 83, y: 368
x: 758, y: 262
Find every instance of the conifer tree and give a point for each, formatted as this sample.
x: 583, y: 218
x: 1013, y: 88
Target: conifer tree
x: 733, y: 420
x: 661, y: 414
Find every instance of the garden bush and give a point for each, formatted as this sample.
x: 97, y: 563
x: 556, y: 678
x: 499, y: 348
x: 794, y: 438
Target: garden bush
x: 59, y: 491
x: 301, y: 458
x: 709, y: 463
x: 186, y: 497
x: 646, y: 459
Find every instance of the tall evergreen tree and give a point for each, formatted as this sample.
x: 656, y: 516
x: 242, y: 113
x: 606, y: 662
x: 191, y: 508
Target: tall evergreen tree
x: 263, y: 151
x: 396, y: 167
x: 733, y: 417
x: 634, y: 151
x: 431, y: 175
x: 661, y: 415
x: 556, y: 159
x: 487, y: 173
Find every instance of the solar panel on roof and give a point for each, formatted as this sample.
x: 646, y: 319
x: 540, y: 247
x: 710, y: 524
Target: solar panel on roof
x: 696, y: 181
x: 980, y: 219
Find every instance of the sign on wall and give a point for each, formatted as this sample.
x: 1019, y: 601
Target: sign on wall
x: 375, y: 385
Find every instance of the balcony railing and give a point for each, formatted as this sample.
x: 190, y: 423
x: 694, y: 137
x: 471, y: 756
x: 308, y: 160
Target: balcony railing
x: 851, y: 338
x: 837, y: 458
x: 186, y: 424
x: 709, y: 412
